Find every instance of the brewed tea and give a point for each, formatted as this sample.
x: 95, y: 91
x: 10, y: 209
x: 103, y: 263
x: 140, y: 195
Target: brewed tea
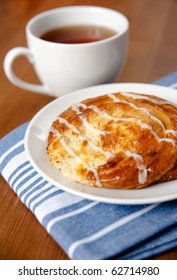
x: 78, y: 34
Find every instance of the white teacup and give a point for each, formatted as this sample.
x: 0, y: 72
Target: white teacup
x: 62, y: 68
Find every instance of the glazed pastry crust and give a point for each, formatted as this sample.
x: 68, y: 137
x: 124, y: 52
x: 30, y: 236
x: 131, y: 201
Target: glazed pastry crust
x: 121, y: 140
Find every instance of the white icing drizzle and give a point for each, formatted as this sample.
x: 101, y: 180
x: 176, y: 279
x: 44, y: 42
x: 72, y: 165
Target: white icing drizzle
x: 75, y: 108
x: 149, y: 127
x: 95, y: 172
x: 116, y: 99
x: 64, y: 144
x: 143, y: 125
x: 140, y: 96
x: 78, y: 159
x: 95, y: 147
x: 169, y: 140
x: 142, y: 174
x: 171, y: 131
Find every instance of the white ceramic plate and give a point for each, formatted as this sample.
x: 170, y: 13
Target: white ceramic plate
x: 36, y: 139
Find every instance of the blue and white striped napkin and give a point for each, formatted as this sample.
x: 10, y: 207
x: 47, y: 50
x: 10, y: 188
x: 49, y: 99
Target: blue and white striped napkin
x: 87, y: 229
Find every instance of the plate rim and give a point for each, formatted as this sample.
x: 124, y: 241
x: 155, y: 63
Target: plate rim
x: 112, y: 200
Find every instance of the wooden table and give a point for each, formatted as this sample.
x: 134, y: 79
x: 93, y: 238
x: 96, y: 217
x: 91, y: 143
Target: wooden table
x: 152, y: 54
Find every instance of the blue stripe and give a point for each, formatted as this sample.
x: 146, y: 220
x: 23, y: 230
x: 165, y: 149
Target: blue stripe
x: 21, y: 174
x: 10, y: 156
x: 106, y: 214
x: 16, y: 170
x: 131, y: 234
x: 31, y: 186
x: 12, y: 138
x: 25, y: 180
x: 39, y: 194
x: 167, y: 80
x: 38, y: 187
x: 46, y: 198
x: 65, y: 210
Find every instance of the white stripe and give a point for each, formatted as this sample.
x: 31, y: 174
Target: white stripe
x: 24, y: 176
x: 33, y: 187
x: 10, y: 150
x: 13, y: 163
x: 173, y: 85
x: 70, y: 214
x: 55, y: 203
x: 19, y: 172
x: 44, y: 195
x: 28, y: 183
x: 108, y: 229
x: 38, y: 191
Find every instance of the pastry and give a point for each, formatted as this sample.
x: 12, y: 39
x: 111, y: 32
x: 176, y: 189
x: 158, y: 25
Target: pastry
x: 121, y: 140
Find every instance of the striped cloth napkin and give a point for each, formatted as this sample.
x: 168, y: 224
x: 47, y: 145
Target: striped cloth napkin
x: 87, y: 229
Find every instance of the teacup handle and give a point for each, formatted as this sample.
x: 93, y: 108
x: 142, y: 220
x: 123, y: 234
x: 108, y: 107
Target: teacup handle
x: 8, y: 64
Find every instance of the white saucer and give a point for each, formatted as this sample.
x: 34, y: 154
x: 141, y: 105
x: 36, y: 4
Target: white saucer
x: 36, y: 139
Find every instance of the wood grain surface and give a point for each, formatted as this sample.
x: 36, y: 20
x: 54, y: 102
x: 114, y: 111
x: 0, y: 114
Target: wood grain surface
x: 152, y: 54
